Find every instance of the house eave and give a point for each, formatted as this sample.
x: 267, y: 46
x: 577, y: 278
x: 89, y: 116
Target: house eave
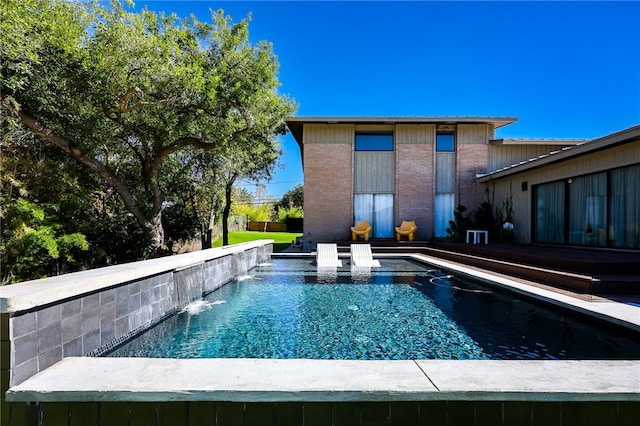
x: 296, y: 124
x: 535, y: 142
x: 570, y: 151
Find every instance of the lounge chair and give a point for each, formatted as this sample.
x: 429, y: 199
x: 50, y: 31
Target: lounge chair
x: 361, y: 228
x: 406, y: 229
x: 327, y: 255
x: 361, y: 256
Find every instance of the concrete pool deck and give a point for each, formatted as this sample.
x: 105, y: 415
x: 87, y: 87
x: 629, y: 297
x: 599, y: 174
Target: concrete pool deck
x: 265, y: 380
x: 268, y: 380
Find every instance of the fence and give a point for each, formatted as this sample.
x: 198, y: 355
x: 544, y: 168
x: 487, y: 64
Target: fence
x: 291, y: 225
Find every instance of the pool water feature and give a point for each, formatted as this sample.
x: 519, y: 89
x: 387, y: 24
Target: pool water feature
x: 405, y: 310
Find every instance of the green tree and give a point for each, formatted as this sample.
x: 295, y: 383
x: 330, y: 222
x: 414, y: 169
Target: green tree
x: 293, y: 212
x: 31, y: 246
x: 122, y: 93
x: 256, y: 163
x: 292, y: 198
x: 74, y: 201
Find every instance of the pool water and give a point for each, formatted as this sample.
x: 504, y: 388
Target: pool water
x: 404, y: 310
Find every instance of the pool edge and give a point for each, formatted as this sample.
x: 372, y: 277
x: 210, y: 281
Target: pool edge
x: 267, y: 380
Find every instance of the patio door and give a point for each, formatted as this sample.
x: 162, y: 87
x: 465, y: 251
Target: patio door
x: 377, y: 209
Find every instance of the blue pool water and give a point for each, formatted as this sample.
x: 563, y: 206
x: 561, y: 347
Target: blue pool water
x: 404, y: 310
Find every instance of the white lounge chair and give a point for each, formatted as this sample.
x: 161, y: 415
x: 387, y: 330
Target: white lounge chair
x: 327, y: 255
x: 361, y: 256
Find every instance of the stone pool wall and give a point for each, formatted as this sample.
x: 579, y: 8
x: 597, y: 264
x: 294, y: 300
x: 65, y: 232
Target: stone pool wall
x: 89, y: 312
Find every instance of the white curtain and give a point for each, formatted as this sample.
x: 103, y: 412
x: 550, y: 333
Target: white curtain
x: 588, y: 213
x: 383, y: 216
x: 363, y: 208
x: 624, y: 207
x: 377, y: 209
x: 443, y: 213
x: 550, y: 213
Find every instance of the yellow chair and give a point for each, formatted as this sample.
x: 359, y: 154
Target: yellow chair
x: 406, y: 228
x: 361, y: 228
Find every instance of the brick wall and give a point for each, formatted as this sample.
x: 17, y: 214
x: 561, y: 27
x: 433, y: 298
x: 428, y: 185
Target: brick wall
x: 472, y: 159
x: 415, y: 187
x: 328, y: 193
x: 328, y: 170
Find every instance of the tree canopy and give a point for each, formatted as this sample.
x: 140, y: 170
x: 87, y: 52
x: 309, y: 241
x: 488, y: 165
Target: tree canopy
x: 133, y: 97
x: 292, y: 198
x: 143, y: 102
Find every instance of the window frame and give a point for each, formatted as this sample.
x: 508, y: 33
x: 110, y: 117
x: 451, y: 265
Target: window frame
x: 374, y: 148
x: 453, y: 141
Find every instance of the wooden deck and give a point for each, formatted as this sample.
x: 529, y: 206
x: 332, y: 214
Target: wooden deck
x: 583, y: 270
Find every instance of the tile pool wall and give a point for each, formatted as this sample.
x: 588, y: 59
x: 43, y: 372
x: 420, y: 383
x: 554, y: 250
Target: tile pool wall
x: 88, y: 312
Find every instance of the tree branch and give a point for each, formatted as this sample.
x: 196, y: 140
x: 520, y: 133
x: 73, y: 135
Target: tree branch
x: 180, y: 143
x: 39, y: 129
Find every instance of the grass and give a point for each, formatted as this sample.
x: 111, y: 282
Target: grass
x: 282, y: 240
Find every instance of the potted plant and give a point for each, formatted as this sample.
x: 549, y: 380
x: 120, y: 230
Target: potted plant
x: 507, y: 232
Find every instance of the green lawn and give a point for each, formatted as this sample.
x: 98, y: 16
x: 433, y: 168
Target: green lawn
x: 282, y: 240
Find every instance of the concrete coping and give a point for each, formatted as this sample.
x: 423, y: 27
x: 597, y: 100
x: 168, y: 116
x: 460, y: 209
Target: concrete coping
x: 31, y: 294
x: 271, y: 380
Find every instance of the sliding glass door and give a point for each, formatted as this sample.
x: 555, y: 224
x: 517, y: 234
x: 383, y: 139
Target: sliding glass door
x: 377, y: 209
x: 600, y: 209
x: 549, y: 224
x: 624, y: 207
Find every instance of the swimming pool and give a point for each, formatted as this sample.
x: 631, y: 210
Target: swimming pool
x: 405, y: 310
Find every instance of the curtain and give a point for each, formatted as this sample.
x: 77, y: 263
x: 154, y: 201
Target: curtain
x: 443, y: 213
x: 383, y: 216
x: 550, y: 213
x: 377, y: 209
x: 588, y: 213
x: 624, y: 207
x: 363, y: 208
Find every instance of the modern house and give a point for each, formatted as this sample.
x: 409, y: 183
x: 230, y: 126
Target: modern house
x: 388, y: 169
x: 582, y: 195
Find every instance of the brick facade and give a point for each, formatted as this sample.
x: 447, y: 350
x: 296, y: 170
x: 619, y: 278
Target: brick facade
x: 415, y: 186
x: 472, y: 160
x: 328, y: 152
x: 328, y: 194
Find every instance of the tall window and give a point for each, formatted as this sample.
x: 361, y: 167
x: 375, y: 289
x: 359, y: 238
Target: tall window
x: 587, y: 210
x: 600, y: 209
x: 624, y: 207
x: 549, y: 202
x: 377, y: 209
x: 445, y: 182
x: 374, y: 181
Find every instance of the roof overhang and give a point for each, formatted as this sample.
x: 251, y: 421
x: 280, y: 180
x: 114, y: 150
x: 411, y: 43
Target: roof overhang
x: 564, y: 142
x: 296, y: 124
x: 572, y: 151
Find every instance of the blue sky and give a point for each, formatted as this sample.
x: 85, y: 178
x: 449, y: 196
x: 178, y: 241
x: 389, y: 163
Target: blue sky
x: 565, y: 69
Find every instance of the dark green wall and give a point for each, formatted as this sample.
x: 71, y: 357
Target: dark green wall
x: 441, y: 413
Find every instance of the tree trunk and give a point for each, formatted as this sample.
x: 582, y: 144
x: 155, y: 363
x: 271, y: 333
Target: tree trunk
x: 155, y: 231
x: 226, y: 211
x: 151, y: 226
